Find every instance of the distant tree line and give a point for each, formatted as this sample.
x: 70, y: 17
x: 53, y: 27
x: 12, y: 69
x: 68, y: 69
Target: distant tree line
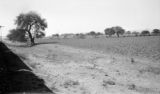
x: 120, y: 31
x: 116, y: 30
x: 154, y: 32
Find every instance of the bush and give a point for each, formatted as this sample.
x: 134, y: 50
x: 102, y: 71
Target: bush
x: 156, y: 32
x: 135, y: 33
x: 145, y: 33
x: 17, y: 35
x: 81, y: 36
x: 40, y: 34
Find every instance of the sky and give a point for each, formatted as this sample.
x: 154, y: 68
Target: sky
x: 81, y: 16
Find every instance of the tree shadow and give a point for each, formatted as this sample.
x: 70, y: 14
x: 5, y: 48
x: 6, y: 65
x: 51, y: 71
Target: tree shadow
x: 25, y: 45
x: 39, y: 43
x: 16, y: 77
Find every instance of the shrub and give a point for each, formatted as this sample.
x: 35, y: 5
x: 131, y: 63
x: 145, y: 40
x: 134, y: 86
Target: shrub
x: 40, y: 34
x: 156, y: 32
x: 17, y: 35
x: 145, y: 33
x: 135, y: 33
x: 81, y: 36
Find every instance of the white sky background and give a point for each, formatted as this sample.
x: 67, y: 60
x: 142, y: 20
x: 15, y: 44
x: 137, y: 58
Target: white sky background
x: 75, y: 16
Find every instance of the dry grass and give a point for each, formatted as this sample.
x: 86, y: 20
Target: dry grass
x: 81, y: 71
x: 147, y: 47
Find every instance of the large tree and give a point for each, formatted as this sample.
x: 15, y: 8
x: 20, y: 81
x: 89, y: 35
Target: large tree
x: 114, y: 30
x: 31, y: 23
x: 118, y: 30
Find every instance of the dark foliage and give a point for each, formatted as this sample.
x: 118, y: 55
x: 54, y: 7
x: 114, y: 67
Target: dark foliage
x: 92, y: 33
x: 156, y: 32
x: 32, y: 23
x: 145, y: 33
x: 109, y: 31
x: 114, y: 30
x: 40, y: 34
x: 17, y: 35
x: 135, y: 33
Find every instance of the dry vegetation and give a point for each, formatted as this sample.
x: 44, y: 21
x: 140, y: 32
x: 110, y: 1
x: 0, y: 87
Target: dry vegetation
x: 146, y: 47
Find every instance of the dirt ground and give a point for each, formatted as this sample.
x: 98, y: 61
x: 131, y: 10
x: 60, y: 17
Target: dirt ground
x: 68, y: 70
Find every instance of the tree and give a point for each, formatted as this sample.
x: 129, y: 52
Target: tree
x: 31, y: 23
x: 92, y: 33
x: 55, y: 35
x: 156, y: 32
x: 128, y: 32
x: 135, y: 33
x: 109, y: 31
x: 81, y: 35
x: 17, y: 35
x: 40, y: 34
x: 145, y: 33
x: 114, y: 30
x: 99, y: 33
x: 118, y: 30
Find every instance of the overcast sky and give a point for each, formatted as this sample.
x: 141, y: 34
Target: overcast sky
x: 75, y: 16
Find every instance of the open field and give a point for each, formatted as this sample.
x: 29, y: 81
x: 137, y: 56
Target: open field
x: 147, y: 47
x: 105, y: 66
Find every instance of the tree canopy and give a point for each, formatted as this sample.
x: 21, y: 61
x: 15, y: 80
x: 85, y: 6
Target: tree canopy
x: 114, y: 30
x: 32, y: 24
x: 109, y: 31
x: 118, y: 30
x: 145, y: 32
x: 135, y: 33
x: 40, y: 34
x: 156, y: 32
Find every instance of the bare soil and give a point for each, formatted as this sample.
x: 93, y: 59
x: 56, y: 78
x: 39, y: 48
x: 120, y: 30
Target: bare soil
x: 68, y: 70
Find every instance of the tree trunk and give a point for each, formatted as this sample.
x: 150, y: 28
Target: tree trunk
x: 117, y: 34
x: 32, y: 42
x: 31, y: 37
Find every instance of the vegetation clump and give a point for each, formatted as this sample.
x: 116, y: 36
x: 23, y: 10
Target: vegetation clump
x: 17, y: 35
x: 145, y: 33
x: 156, y: 32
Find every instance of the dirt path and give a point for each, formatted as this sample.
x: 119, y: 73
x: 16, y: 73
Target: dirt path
x: 67, y: 70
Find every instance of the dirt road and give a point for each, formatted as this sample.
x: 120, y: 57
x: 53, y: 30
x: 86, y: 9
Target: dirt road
x: 68, y: 70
